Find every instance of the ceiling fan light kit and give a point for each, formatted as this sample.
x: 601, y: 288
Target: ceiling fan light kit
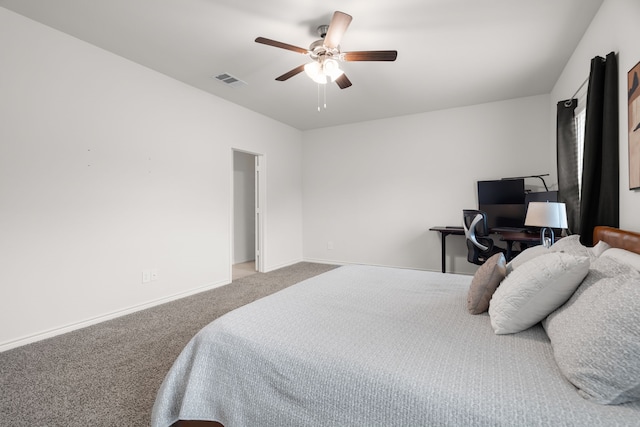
x: 324, y: 71
x: 326, y: 55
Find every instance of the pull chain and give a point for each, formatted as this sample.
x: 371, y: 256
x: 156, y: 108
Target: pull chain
x: 324, y: 94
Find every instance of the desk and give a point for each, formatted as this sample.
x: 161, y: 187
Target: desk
x: 509, y: 237
x: 444, y: 232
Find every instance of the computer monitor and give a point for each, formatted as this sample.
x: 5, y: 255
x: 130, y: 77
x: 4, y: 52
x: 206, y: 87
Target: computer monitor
x: 503, y: 201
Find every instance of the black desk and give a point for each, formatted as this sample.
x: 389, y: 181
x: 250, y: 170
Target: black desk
x: 509, y: 237
x: 444, y: 232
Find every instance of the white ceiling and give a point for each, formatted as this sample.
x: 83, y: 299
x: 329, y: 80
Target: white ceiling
x: 451, y: 53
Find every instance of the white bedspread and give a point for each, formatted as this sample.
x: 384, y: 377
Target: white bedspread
x: 372, y: 346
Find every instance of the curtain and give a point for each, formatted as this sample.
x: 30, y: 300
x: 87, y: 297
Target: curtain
x: 600, y: 198
x: 567, y: 158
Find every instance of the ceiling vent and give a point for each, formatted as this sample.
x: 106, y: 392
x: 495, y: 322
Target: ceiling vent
x: 230, y: 80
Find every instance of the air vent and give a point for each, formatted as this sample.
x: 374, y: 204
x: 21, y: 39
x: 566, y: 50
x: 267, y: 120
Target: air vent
x: 230, y: 80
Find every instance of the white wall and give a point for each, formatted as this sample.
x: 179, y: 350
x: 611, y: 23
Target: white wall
x: 244, y: 207
x: 108, y: 168
x: 616, y: 27
x: 374, y: 189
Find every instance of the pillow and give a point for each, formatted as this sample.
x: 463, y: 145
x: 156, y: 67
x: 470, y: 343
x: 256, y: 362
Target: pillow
x: 599, y: 248
x: 531, y: 292
x: 571, y: 245
x: 624, y: 257
x: 595, y: 336
x: 485, y: 282
x: 526, y: 255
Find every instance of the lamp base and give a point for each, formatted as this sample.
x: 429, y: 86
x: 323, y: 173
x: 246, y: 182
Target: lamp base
x: 544, y: 240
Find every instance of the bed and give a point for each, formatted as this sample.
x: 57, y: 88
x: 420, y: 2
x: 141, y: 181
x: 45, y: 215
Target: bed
x: 363, y: 346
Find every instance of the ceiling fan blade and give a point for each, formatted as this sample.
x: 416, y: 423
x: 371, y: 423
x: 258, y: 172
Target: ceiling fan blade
x: 281, y: 45
x: 289, y: 74
x: 343, y: 81
x: 339, y: 24
x: 371, y: 55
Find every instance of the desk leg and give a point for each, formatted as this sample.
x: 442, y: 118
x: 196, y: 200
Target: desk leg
x: 509, y: 249
x: 444, y: 252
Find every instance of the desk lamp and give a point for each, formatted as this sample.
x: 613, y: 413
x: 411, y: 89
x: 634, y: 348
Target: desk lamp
x: 548, y: 215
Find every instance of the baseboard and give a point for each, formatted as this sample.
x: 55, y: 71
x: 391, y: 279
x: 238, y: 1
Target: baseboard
x: 283, y: 265
x: 8, y: 345
x: 326, y: 261
x: 334, y: 262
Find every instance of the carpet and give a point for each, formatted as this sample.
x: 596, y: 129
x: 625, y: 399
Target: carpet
x: 108, y: 374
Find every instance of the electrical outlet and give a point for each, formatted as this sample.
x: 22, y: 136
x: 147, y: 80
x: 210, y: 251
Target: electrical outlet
x: 330, y: 245
x: 154, y: 274
x: 146, y: 276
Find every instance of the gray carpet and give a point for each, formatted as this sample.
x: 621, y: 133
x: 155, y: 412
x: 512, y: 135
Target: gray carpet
x: 108, y: 374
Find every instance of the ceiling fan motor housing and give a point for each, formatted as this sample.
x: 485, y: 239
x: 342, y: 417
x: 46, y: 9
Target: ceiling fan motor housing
x: 322, y: 30
x: 318, y: 50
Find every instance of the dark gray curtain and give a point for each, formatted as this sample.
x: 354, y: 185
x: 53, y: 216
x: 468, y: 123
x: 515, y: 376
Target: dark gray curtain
x: 567, y: 158
x: 600, y: 199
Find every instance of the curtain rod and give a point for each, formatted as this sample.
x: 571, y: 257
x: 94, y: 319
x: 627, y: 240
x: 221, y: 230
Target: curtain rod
x: 567, y: 103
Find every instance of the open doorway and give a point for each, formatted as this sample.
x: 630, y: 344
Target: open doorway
x: 247, y: 216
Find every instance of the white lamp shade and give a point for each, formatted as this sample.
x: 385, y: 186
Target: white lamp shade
x: 314, y: 70
x: 546, y: 214
x: 331, y: 69
x: 323, y: 72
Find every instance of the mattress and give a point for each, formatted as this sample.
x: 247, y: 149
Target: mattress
x: 363, y: 346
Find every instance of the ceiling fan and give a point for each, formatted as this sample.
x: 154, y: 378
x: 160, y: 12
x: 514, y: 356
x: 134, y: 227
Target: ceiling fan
x: 326, y: 54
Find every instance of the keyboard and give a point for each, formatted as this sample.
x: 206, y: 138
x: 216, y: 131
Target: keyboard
x: 508, y: 230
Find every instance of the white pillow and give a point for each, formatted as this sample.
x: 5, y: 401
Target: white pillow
x: 571, y: 245
x: 526, y: 255
x: 623, y: 257
x: 599, y: 248
x: 534, y: 290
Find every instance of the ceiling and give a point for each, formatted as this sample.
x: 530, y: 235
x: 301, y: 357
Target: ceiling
x: 451, y: 53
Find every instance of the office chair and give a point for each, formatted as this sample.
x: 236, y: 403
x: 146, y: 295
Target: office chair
x: 479, y: 245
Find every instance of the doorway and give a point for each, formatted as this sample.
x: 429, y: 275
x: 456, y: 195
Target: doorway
x: 247, y: 219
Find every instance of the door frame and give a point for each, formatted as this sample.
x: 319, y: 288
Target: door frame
x: 261, y: 210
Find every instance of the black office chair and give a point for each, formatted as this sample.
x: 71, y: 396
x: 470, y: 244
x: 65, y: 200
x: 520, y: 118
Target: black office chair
x: 479, y: 245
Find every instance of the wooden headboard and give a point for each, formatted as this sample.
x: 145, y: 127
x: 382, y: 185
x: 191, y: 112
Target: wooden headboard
x: 617, y: 238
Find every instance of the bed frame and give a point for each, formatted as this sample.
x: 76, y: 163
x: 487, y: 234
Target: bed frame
x: 614, y: 237
x: 617, y: 238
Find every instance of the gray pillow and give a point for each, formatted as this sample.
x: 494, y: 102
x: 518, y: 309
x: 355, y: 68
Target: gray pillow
x: 596, y: 334
x: 623, y: 256
x: 485, y: 283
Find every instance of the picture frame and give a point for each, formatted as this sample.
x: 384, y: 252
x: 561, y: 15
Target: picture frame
x: 633, y: 96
